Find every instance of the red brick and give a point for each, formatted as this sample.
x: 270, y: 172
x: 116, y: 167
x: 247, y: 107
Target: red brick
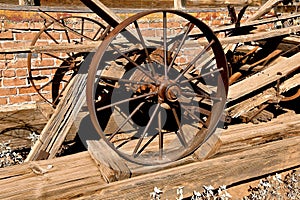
x: 6, y: 35
x: 7, y: 91
x: 72, y: 36
x: 156, y: 25
x: 26, y: 90
x: 19, y: 99
x: 21, y: 72
x: 41, y: 82
x: 12, y: 44
x: 6, y: 56
x: 25, y: 36
x: 14, y: 82
x: 47, y: 89
x: 37, y: 97
x: 2, y: 66
x: 9, y: 73
x: 3, y: 101
x: 15, y: 25
x: 36, y: 25
x: 44, y: 62
x: 41, y: 43
x: 55, y: 35
x: 46, y: 72
x: 21, y: 63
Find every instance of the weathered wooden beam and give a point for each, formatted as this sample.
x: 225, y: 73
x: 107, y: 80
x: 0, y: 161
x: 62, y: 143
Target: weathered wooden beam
x: 270, y: 94
x: 264, y: 9
x: 60, y: 123
x: 255, y: 23
x: 104, y: 12
x: 61, y: 178
x: 90, y: 47
x: 114, y: 168
x: 225, y: 170
x: 243, y: 137
x: 260, y: 35
x: 263, y: 78
x: 77, y: 176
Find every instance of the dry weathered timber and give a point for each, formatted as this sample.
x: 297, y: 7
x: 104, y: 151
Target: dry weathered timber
x: 60, y: 123
x: 60, y: 178
x: 245, y: 106
x: 90, y: 47
x: 289, y: 83
x: 255, y: 23
x: 113, y: 167
x: 77, y: 176
x: 265, y: 77
x: 269, y: 94
x: 227, y: 2
x: 294, y: 39
x: 104, y: 12
x: 247, y: 136
x: 222, y: 171
x: 260, y: 35
x: 264, y: 9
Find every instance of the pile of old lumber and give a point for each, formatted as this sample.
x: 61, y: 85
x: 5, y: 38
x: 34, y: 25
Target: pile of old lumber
x: 264, y: 66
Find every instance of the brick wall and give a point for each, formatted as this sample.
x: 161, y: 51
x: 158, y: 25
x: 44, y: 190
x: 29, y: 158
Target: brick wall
x: 142, y: 4
x: 18, y: 29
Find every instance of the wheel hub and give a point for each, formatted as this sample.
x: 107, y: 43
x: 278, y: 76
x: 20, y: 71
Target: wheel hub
x: 168, y: 91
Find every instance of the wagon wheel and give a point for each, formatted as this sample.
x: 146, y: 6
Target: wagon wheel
x: 52, y: 71
x: 156, y: 95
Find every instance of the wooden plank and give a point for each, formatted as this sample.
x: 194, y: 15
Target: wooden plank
x: 263, y: 78
x: 243, y: 107
x: 269, y: 94
x: 77, y: 176
x: 104, y: 12
x: 225, y: 170
x: 60, y: 123
x: 242, y: 137
x: 90, y: 47
x: 111, y: 165
x: 223, y: 2
x: 294, y: 39
x: 264, y: 9
x: 61, y: 178
x: 254, y: 23
x: 260, y: 35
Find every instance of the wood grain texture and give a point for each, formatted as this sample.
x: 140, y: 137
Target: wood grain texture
x: 61, y: 178
x: 247, y: 151
x: 225, y: 170
x: 265, y: 77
